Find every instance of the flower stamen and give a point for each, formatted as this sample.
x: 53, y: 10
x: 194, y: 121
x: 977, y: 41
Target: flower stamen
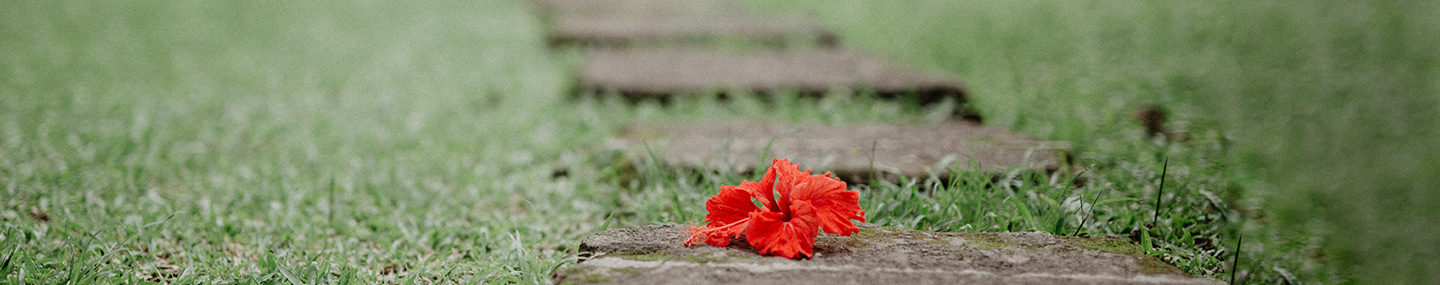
x: 698, y: 234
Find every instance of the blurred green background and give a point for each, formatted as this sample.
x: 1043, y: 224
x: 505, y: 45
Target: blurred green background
x: 424, y: 134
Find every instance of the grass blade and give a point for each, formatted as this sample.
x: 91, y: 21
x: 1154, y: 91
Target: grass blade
x: 606, y: 225
x: 1235, y: 264
x: 5, y: 265
x: 1025, y: 213
x: 1092, y: 211
x: 1160, y: 192
x: 291, y: 277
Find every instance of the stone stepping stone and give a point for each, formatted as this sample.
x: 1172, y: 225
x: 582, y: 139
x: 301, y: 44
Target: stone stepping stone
x: 910, y: 150
x: 875, y: 255
x: 625, y: 22
x: 640, y: 73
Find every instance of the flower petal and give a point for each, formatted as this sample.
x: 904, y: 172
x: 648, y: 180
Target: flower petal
x: 770, y: 234
x: 761, y: 190
x: 834, y: 205
x: 787, y: 175
x: 727, y: 209
x: 730, y: 205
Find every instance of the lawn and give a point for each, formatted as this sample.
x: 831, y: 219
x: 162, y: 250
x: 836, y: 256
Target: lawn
x: 1326, y: 112
x: 339, y: 141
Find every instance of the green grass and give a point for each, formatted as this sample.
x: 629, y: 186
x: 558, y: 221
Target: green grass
x: 335, y: 141
x: 1326, y: 112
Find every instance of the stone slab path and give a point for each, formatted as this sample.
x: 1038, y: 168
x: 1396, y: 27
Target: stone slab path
x: 664, y: 72
x: 626, y: 22
x: 623, y: 40
x: 912, y: 150
x: 875, y: 255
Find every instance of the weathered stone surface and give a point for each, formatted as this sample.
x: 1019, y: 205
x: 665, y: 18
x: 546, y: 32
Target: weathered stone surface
x: 667, y: 72
x: 623, y: 22
x: 851, y: 151
x: 655, y: 255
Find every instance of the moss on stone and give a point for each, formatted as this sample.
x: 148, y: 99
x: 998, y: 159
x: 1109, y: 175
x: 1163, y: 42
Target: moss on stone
x: 1152, y: 265
x: 876, y: 232
x: 1148, y: 264
x: 646, y: 257
x: 986, y: 242
x: 863, y: 238
x: 571, y: 271
x: 628, y: 270
x: 1110, y: 245
x: 582, y: 277
x: 702, y: 259
x: 852, y: 241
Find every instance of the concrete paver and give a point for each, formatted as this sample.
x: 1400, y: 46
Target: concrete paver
x: 850, y: 151
x: 875, y: 255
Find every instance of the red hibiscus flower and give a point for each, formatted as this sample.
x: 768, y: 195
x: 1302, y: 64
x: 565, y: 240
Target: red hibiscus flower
x: 782, y: 219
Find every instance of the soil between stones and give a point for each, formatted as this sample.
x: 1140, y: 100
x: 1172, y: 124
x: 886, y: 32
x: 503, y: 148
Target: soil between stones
x: 876, y: 255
